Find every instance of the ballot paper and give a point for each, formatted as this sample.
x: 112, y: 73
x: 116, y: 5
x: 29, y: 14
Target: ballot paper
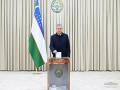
x: 53, y: 87
x: 58, y: 55
x: 58, y: 88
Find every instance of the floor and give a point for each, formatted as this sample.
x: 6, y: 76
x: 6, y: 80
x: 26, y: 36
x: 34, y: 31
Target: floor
x: 79, y: 80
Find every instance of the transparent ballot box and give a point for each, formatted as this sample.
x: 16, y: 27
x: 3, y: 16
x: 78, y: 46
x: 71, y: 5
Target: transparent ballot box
x: 59, y: 74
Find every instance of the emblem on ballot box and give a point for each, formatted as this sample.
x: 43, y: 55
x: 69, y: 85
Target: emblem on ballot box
x: 57, y: 6
x: 58, y: 73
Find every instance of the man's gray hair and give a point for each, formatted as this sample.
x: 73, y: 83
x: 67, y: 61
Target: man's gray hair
x: 59, y: 25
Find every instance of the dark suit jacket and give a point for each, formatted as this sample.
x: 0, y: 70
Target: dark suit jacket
x: 61, y: 44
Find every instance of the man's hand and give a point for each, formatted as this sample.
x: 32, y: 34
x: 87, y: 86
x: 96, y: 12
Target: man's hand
x: 55, y: 51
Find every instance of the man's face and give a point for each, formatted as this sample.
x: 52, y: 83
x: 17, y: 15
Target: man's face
x: 59, y: 29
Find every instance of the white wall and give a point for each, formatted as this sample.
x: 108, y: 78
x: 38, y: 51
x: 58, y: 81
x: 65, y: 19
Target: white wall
x: 92, y: 25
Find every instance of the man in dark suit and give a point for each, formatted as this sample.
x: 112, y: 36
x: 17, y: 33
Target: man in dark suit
x: 59, y: 42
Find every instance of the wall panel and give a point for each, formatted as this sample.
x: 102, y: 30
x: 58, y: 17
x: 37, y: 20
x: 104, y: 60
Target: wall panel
x: 92, y: 25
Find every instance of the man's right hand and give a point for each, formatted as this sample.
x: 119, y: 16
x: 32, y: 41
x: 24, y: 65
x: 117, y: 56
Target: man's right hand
x: 55, y: 51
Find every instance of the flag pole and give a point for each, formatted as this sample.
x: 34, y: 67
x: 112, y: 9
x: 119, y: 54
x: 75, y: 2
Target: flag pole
x: 36, y: 69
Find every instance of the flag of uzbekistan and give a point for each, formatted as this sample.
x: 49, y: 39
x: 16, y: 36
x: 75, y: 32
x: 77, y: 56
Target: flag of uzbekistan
x: 37, y: 46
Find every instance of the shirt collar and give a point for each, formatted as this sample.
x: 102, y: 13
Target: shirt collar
x: 59, y: 34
